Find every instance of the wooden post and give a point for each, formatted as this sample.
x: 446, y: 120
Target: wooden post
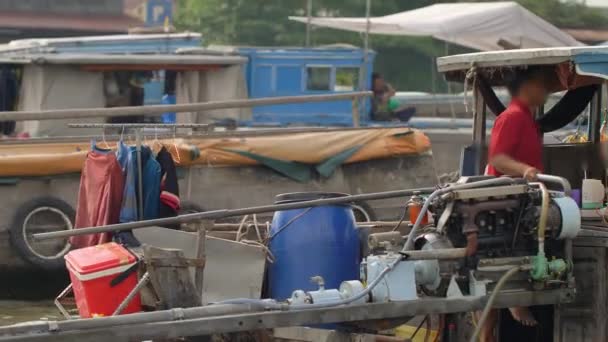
x: 201, y: 229
x: 170, y: 277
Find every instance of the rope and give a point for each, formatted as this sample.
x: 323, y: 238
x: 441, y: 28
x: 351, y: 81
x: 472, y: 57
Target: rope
x: 240, y: 230
x: 257, y: 229
x: 293, y: 219
x: 269, y: 256
x: 470, y: 75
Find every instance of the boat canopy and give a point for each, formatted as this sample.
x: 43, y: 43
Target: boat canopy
x: 591, y: 61
x: 579, y: 70
x: 481, y: 25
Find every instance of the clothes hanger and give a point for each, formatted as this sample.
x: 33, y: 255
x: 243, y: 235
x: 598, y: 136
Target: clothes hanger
x: 156, y: 142
x: 177, y: 157
x: 103, y: 137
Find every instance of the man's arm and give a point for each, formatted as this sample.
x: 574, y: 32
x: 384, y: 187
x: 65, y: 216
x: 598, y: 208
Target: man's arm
x: 390, y: 91
x: 511, y: 167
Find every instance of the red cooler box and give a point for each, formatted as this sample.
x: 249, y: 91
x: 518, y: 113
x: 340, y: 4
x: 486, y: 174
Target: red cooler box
x: 91, y: 271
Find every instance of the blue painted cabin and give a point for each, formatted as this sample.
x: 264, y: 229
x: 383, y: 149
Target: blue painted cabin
x: 286, y: 71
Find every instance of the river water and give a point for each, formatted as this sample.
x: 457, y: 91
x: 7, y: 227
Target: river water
x: 29, y: 295
x: 16, y: 311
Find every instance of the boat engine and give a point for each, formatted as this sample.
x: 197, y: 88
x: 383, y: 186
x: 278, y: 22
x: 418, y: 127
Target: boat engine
x: 494, y: 228
x: 481, y: 230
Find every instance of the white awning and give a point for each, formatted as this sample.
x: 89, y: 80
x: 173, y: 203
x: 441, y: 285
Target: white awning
x: 483, y: 26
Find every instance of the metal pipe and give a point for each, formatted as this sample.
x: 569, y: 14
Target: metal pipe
x: 140, y: 176
x: 556, y: 180
x: 195, y: 135
x: 437, y: 254
x: 233, y: 227
x: 135, y: 318
x: 79, y: 113
x: 363, y: 71
x: 137, y: 125
x: 409, y: 243
x: 223, y: 213
x: 269, y: 320
x: 140, y: 284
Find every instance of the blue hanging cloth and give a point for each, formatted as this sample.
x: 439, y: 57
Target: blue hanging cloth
x: 150, y: 194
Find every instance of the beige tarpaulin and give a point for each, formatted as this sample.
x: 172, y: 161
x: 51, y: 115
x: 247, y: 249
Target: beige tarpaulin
x: 31, y: 159
x: 59, y: 87
x: 483, y: 26
x: 226, y: 83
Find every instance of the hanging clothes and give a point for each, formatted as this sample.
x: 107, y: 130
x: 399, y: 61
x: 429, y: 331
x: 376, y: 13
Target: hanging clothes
x: 169, y: 195
x: 150, y: 193
x: 99, y: 196
x: 122, y: 154
x: 151, y: 182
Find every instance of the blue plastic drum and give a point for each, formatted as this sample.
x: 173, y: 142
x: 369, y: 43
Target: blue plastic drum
x: 319, y: 241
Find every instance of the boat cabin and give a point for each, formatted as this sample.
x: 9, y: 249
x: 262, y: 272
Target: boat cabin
x: 306, y: 71
x: 58, y: 80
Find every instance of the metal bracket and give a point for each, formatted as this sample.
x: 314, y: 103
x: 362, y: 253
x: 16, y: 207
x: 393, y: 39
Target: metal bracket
x: 58, y: 304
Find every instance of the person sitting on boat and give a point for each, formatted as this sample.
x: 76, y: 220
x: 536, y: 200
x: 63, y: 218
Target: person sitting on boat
x: 516, y: 150
x: 384, y: 106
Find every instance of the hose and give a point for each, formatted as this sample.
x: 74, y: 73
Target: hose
x: 488, y: 307
x: 409, y: 244
x: 544, y: 212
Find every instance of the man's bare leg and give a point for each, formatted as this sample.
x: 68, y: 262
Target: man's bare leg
x: 487, y: 331
x: 523, y: 315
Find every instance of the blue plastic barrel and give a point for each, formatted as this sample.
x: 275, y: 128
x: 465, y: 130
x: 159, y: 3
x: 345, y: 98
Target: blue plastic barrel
x: 319, y: 241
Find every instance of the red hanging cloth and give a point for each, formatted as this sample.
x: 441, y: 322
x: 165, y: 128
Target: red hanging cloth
x: 99, y: 197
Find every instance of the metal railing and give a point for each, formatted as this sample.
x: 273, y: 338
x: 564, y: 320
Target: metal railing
x: 81, y: 113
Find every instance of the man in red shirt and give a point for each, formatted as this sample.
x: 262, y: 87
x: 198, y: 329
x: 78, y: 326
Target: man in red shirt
x: 516, y: 143
x: 516, y: 150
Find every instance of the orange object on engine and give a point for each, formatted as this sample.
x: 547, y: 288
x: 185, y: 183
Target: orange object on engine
x: 414, y: 207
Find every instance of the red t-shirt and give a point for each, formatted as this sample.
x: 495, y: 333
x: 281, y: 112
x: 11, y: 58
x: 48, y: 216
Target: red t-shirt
x: 516, y: 134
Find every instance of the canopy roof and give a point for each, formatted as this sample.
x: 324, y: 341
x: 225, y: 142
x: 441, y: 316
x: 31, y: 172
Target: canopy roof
x: 482, y: 26
x: 587, y: 61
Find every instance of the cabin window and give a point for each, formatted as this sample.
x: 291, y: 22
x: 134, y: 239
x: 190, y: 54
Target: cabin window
x: 318, y: 78
x: 347, y: 79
